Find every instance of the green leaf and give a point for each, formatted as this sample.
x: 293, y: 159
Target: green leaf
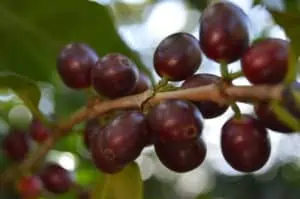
x: 292, y: 6
x: 86, y: 176
x: 127, y: 184
x: 64, y: 106
x: 205, y: 196
x: 296, y: 96
x: 200, y: 5
x: 25, y: 89
x: 8, y: 193
x: 86, y: 173
x: 291, y: 173
x: 4, y: 161
x: 293, y: 68
x: 69, y: 195
x: 32, y: 33
x: 97, y: 190
x: 255, y: 2
x: 71, y: 143
x: 289, y: 21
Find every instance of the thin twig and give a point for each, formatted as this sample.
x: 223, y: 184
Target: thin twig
x: 210, y: 92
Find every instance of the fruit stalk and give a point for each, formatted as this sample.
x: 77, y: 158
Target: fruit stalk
x: 210, y: 92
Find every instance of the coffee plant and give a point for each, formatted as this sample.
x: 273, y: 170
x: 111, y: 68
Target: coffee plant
x: 126, y: 110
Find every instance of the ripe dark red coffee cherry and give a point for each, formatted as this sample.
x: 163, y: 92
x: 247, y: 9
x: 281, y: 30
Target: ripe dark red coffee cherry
x: 291, y: 94
x: 115, y: 75
x: 16, y: 145
x: 85, y: 194
x: 104, y: 159
x: 245, y: 143
x: 223, y: 32
x: 120, y: 142
x: 177, y: 57
x: 181, y: 157
x: 92, y: 127
x: 175, y: 120
x: 208, y: 109
x: 269, y: 119
x: 56, y: 179
x: 266, y: 62
x: 143, y: 84
x: 74, y: 65
x: 38, y: 131
x: 30, y: 187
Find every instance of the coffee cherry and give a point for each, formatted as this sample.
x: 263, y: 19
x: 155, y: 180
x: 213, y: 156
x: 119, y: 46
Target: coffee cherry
x: 92, y: 127
x: 224, y: 33
x: 290, y: 97
x: 85, y: 194
x: 104, y: 159
x: 208, y: 109
x: 30, y: 187
x: 16, y: 145
x: 38, y: 131
x: 127, y: 146
x: 115, y: 75
x: 143, y: 84
x: 181, y: 157
x: 245, y: 143
x: 120, y: 142
x: 269, y: 119
x: 266, y: 62
x: 74, y: 65
x: 177, y: 57
x: 175, y: 120
x: 56, y: 179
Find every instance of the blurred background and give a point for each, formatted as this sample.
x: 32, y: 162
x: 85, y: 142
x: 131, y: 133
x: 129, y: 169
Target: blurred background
x: 31, y: 32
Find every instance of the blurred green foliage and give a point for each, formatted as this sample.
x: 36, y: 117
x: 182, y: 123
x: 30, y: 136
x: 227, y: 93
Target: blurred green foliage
x: 32, y: 33
x: 200, y: 5
x: 26, y: 89
x: 127, y: 184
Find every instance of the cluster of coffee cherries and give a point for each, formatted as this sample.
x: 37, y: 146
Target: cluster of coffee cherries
x: 51, y: 177
x: 174, y: 126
